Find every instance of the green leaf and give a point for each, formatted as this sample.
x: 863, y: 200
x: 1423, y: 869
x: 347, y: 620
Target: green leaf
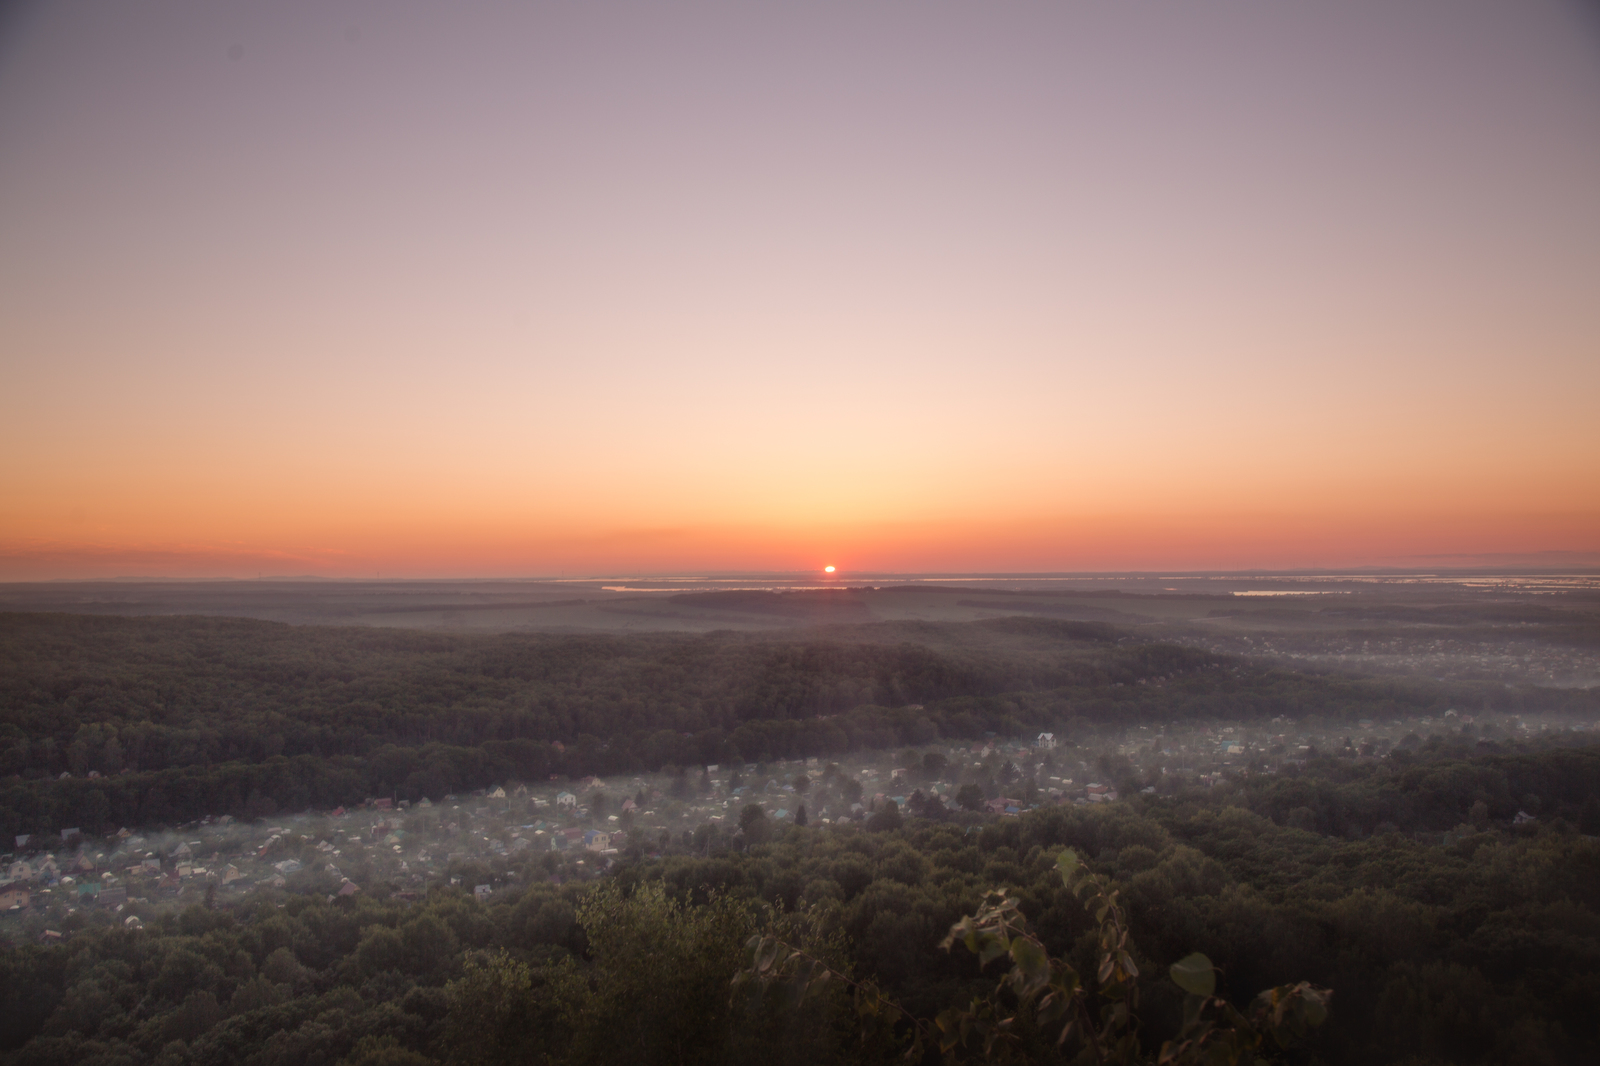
x: 1195, y: 975
x: 1029, y: 955
x: 1067, y: 863
x: 1032, y: 962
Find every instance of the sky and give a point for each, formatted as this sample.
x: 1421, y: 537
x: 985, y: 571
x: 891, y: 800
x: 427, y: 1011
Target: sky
x: 510, y: 289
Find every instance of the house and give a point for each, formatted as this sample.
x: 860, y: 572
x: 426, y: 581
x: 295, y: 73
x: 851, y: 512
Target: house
x: 1523, y: 818
x: 19, y: 871
x: 482, y: 892
x: 384, y: 804
x: 68, y: 834
x: 22, y: 840
x: 112, y: 896
x: 498, y: 794
x: 594, y: 840
x: 1046, y: 741
x: 13, y: 897
x: 566, y: 799
x: 349, y: 888
x: 1100, y: 793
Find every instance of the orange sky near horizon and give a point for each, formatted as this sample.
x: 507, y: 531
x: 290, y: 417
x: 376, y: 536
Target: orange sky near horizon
x: 526, y: 289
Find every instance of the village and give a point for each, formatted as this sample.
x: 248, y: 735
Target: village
x: 1506, y: 659
x: 514, y: 833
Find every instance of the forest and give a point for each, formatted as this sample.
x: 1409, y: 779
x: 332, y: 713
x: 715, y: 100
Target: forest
x: 1482, y: 945
x: 1416, y: 899
x: 108, y: 721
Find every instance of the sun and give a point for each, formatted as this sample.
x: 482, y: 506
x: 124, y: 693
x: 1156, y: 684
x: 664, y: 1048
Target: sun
x: 827, y: 569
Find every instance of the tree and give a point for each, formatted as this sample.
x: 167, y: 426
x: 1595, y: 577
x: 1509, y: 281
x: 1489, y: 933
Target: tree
x: 753, y: 820
x: 1045, y: 994
x: 970, y: 797
x: 1479, y: 815
x: 886, y: 819
x: 1589, y: 817
x: 376, y: 1050
x: 800, y: 815
x: 656, y: 991
x: 497, y: 1016
x: 928, y: 807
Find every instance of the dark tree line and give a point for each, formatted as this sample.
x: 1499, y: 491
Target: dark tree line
x: 181, y: 717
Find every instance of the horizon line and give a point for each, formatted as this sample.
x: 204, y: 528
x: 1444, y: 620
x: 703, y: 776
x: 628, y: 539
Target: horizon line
x: 1532, y: 569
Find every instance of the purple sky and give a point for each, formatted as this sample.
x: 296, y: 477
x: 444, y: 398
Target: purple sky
x: 488, y: 287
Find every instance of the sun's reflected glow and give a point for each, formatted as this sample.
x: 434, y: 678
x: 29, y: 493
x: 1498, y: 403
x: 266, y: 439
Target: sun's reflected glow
x: 827, y: 569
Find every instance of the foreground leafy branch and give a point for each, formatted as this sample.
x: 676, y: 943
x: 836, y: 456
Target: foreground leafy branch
x: 1043, y: 994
